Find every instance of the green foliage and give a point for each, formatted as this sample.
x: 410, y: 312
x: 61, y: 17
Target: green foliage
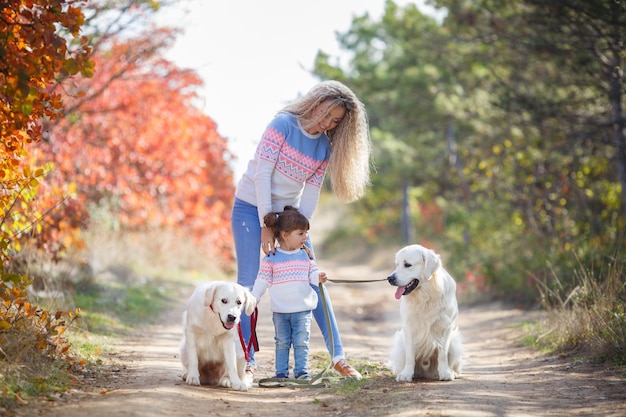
x: 495, y: 124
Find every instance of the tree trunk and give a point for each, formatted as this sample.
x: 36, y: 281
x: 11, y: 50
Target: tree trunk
x: 407, y: 223
x: 615, y: 98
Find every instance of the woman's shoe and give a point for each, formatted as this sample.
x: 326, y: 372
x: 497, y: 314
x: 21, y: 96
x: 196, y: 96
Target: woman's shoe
x: 343, y: 368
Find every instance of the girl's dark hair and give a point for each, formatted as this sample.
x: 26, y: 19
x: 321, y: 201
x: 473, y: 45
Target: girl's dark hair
x: 286, y: 221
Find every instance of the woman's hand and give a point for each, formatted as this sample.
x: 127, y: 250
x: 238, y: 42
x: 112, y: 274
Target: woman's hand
x: 308, y: 251
x: 267, y: 241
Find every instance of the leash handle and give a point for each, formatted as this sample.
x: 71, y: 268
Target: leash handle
x: 254, y: 341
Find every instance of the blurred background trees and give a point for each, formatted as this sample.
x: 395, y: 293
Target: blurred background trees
x: 500, y: 129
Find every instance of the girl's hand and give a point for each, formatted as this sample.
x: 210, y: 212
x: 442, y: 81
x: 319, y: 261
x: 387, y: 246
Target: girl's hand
x: 323, y: 277
x: 307, y: 250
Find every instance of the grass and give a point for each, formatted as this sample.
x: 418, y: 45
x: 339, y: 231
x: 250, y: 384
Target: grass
x: 374, y: 373
x: 22, y: 384
x: 588, y: 320
x: 114, y: 308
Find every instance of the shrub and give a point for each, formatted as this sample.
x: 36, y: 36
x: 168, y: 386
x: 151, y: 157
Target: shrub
x: 590, y: 318
x: 33, y: 346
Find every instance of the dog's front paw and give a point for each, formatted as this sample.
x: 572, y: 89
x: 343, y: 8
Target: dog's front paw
x: 248, y: 380
x: 225, y: 382
x: 235, y: 383
x: 192, y: 378
x: 405, y: 376
x: 241, y: 385
x: 446, y: 375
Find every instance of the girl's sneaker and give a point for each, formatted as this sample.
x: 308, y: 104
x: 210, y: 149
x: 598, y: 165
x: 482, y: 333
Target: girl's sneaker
x: 304, y: 376
x: 250, y: 368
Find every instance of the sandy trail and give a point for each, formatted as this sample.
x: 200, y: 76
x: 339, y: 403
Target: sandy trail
x: 500, y: 378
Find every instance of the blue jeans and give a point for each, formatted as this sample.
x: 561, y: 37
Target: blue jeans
x: 247, y: 236
x: 292, y: 329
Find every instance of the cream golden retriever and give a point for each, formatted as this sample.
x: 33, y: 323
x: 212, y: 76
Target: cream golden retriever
x: 429, y: 343
x: 210, y: 350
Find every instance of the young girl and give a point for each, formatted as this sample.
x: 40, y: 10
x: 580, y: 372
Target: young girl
x: 325, y: 130
x: 288, y: 274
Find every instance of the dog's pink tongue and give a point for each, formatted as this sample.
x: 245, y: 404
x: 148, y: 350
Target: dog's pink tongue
x: 399, y: 292
x: 229, y: 325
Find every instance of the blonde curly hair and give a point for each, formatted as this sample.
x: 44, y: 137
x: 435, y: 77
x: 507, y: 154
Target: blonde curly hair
x: 350, y: 145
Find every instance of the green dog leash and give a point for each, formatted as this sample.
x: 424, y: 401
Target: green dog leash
x: 317, y: 381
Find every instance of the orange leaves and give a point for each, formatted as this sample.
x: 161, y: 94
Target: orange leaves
x: 139, y: 141
x: 20, y: 400
x: 132, y: 136
x: 35, y: 51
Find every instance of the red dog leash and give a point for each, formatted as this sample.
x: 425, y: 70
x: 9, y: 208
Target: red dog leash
x: 253, y: 342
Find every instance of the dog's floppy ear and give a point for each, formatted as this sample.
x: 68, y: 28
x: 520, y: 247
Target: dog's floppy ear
x: 250, y: 302
x: 209, y: 295
x: 432, y: 262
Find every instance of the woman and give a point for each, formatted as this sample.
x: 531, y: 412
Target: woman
x: 327, y: 129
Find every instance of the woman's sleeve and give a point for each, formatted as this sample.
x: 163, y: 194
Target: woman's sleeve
x: 263, y: 187
x: 310, y: 197
x: 311, y: 192
x: 267, y: 153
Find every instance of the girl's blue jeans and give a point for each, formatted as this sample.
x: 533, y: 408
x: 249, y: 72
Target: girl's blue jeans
x: 292, y: 329
x: 247, y: 236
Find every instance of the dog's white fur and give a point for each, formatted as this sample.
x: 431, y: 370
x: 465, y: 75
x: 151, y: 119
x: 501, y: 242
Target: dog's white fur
x: 429, y: 343
x: 210, y: 350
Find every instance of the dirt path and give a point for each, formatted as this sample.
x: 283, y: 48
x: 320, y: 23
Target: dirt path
x: 500, y: 378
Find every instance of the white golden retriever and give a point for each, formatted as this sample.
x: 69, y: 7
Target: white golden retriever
x: 429, y: 343
x: 210, y: 350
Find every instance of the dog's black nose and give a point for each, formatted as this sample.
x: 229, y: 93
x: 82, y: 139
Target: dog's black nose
x: 231, y: 318
x: 392, y: 279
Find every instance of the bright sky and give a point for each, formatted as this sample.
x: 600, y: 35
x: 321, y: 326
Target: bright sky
x: 255, y: 55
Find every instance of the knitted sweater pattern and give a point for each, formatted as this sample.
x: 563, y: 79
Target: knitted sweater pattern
x: 287, y: 275
x: 288, y: 168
